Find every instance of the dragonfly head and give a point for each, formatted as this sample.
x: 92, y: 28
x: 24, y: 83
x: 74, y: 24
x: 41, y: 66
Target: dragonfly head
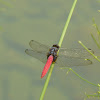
x: 55, y: 45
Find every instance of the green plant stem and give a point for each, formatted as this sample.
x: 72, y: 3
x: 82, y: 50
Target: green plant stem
x: 98, y: 34
x: 60, y: 42
x: 82, y: 78
x: 89, y: 51
x: 95, y: 40
x: 67, y: 23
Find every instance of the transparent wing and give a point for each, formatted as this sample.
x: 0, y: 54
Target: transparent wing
x: 67, y: 57
x: 64, y: 61
x: 79, y: 53
x: 73, y: 57
x: 38, y: 55
x: 38, y: 47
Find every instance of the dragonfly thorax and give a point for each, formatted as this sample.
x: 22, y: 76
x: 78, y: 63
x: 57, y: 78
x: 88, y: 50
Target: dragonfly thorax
x: 53, y: 51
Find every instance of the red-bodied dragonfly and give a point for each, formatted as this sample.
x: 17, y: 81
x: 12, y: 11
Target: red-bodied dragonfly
x: 65, y: 58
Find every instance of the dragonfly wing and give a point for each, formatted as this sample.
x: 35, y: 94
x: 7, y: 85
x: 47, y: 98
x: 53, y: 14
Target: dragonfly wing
x: 38, y: 55
x: 70, y: 62
x: 79, y: 53
x: 38, y: 47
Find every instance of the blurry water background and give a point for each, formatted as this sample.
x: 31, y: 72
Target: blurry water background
x: 43, y: 21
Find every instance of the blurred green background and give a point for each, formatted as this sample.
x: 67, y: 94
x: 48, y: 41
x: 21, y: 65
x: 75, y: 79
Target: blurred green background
x: 43, y: 21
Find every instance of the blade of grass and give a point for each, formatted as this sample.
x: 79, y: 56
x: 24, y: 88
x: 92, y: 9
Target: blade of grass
x: 60, y: 42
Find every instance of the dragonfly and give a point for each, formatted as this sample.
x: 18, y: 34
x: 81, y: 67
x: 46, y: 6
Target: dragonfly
x: 65, y: 58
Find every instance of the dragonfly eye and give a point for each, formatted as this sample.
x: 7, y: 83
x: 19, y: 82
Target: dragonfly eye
x: 89, y: 49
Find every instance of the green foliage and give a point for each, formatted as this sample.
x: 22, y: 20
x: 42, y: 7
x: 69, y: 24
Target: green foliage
x: 96, y: 39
